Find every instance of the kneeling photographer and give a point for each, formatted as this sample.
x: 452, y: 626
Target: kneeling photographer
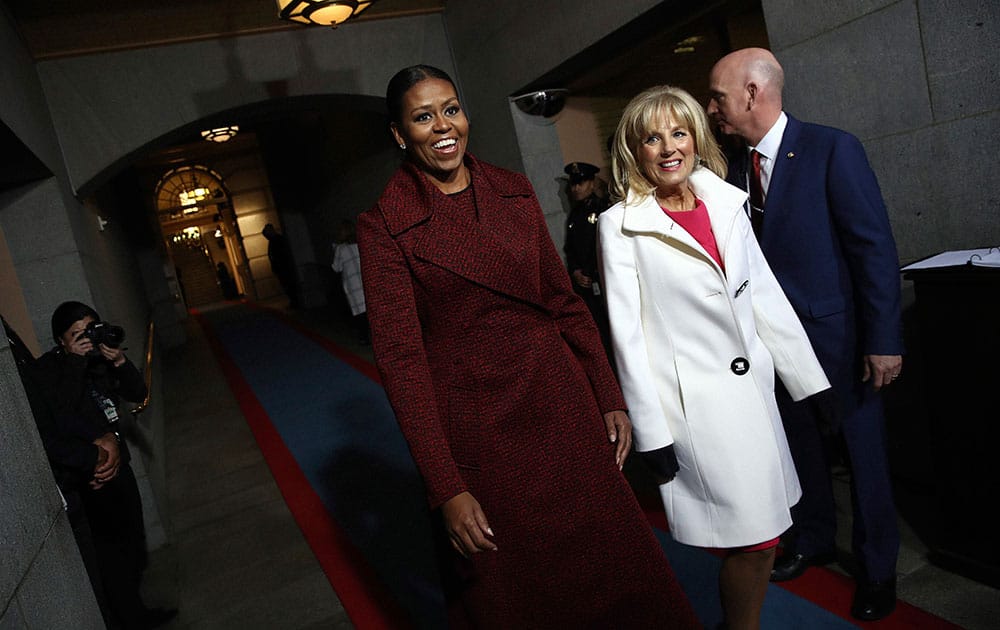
x: 87, y: 375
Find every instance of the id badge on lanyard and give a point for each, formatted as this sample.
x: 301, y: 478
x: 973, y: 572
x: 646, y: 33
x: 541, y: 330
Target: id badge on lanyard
x: 106, y: 405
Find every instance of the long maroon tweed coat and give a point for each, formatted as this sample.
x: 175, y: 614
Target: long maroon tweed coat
x: 498, y: 379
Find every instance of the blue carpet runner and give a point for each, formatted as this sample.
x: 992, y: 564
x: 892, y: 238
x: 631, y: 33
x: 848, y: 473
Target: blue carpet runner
x: 329, y: 435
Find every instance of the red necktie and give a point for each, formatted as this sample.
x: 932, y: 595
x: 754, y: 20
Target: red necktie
x: 756, y: 194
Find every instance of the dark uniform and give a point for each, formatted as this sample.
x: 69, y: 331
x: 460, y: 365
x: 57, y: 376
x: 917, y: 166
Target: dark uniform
x: 581, y: 245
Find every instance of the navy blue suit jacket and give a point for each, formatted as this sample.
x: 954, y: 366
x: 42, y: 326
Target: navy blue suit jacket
x: 826, y: 235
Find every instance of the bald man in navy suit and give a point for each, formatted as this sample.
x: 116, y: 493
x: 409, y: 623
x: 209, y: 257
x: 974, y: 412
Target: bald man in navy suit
x: 819, y: 217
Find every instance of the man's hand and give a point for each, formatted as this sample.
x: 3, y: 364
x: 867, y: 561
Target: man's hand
x: 619, y: 429
x: 115, y: 355
x: 467, y: 525
x: 102, y: 458
x: 80, y: 346
x: 107, y: 464
x: 881, y: 369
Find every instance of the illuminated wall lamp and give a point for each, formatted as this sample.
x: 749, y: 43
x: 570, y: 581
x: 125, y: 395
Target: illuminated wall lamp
x: 322, y: 12
x: 220, y: 134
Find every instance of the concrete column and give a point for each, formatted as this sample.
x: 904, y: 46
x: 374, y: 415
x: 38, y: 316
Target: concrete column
x: 43, y: 583
x: 541, y: 155
x: 44, y: 252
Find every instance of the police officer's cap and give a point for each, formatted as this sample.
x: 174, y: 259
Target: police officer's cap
x: 580, y: 172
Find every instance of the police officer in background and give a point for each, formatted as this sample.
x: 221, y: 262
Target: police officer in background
x: 586, y: 203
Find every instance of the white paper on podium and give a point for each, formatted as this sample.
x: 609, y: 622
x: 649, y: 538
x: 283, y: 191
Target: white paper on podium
x: 986, y: 257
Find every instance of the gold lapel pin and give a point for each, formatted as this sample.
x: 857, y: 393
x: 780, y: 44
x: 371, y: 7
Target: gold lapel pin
x: 790, y: 155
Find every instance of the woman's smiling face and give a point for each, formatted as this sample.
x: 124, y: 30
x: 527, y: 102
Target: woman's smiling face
x: 435, y: 131
x: 667, y: 154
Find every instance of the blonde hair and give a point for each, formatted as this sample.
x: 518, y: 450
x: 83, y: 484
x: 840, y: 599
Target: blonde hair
x: 637, y: 121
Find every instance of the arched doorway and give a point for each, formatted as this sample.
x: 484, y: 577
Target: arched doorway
x: 199, y: 227
x: 288, y: 154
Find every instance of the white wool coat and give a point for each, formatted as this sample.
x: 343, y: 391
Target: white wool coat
x: 681, y: 326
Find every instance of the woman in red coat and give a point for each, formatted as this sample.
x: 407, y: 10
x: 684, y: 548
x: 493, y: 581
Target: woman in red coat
x: 500, y: 384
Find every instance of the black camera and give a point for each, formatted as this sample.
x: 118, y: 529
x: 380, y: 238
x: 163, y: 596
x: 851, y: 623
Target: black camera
x: 102, y: 332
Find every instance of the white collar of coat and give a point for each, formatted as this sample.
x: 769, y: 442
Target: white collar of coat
x: 643, y: 213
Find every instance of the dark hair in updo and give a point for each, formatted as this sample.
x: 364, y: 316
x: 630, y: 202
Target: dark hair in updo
x: 401, y: 83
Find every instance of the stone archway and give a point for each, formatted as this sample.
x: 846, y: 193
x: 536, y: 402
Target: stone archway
x: 202, y: 236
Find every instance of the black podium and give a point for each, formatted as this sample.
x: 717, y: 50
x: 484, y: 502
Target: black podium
x: 958, y: 317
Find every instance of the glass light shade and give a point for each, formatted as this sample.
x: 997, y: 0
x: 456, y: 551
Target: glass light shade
x: 322, y: 12
x: 331, y: 14
x: 220, y: 134
x: 193, y: 196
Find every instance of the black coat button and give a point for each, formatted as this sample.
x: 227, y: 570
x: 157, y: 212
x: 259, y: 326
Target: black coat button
x: 740, y: 366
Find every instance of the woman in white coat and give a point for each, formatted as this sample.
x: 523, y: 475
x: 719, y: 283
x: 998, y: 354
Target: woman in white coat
x: 699, y: 326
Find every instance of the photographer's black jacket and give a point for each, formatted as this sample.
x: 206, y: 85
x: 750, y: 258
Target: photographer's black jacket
x: 78, y: 420
x: 71, y: 453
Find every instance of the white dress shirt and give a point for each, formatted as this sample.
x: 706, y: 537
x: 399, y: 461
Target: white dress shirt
x: 768, y: 149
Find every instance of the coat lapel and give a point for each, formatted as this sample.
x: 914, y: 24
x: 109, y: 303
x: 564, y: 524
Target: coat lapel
x: 644, y: 215
x: 492, y: 249
x: 723, y: 201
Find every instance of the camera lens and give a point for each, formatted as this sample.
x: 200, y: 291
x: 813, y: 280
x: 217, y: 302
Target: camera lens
x: 102, y: 332
x: 114, y: 336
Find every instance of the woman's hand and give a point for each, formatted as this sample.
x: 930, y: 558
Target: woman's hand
x: 619, y: 432
x: 662, y: 463
x: 466, y: 524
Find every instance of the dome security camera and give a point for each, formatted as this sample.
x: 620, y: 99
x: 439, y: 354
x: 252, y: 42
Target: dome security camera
x: 545, y: 103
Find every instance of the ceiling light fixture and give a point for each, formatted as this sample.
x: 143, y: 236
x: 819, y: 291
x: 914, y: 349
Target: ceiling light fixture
x: 687, y: 45
x: 220, y: 134
x: 322, y: 12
